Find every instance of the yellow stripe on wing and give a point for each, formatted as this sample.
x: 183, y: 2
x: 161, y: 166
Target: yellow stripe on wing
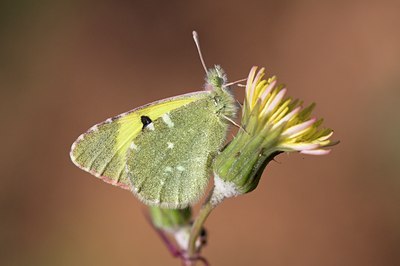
x: 102, y: 152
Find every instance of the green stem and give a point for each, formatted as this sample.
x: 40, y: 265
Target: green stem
x: 205, y: 210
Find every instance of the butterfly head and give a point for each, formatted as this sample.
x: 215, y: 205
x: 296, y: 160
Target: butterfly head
x: 216, y: 82
x: 216, y: 78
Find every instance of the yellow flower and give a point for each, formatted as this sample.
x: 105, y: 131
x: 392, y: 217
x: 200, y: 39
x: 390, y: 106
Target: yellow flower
x: 271, y: 124
x: 298, y: 131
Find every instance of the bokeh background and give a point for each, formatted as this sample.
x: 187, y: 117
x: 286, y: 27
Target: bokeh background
x: 66, y: 65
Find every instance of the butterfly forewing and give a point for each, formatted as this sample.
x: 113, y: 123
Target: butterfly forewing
x: 102, y: 150
x: 168, y: 163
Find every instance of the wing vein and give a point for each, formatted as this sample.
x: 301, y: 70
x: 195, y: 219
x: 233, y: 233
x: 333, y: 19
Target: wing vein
x: 115, y: 153
x: 146, y: 179
x: 101, y: 152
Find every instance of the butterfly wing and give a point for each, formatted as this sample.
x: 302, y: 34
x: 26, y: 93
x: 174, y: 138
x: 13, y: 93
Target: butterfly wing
x: 103, y: 148
x: 169, y: 164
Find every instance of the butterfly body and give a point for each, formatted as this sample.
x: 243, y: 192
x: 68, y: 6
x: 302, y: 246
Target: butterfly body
x: 161, y: 151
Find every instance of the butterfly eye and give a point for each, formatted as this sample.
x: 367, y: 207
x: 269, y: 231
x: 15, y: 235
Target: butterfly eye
x: 216, y: 77
x: 216, y: 82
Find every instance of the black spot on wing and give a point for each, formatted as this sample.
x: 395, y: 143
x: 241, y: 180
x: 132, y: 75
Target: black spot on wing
x: 145, y: 121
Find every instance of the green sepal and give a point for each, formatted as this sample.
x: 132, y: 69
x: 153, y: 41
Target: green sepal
x: 243, y: 162
x: 244, y: 159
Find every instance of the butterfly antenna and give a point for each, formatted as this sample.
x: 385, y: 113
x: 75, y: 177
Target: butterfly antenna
x: 236, y: 82
x: 197, y: 42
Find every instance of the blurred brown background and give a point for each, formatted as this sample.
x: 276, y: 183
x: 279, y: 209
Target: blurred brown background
x: 66, y: 65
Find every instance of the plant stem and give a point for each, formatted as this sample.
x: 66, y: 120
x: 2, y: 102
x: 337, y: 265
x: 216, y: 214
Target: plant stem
x: 198, y: 225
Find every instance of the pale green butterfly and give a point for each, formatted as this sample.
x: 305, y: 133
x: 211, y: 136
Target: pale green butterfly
x: 162, y: 151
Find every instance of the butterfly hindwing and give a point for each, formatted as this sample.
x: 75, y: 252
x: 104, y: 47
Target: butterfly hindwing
x: 168, y: 164
x: 102, y: 150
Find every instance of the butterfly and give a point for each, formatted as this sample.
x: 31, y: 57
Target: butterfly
x: 162, y: 151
